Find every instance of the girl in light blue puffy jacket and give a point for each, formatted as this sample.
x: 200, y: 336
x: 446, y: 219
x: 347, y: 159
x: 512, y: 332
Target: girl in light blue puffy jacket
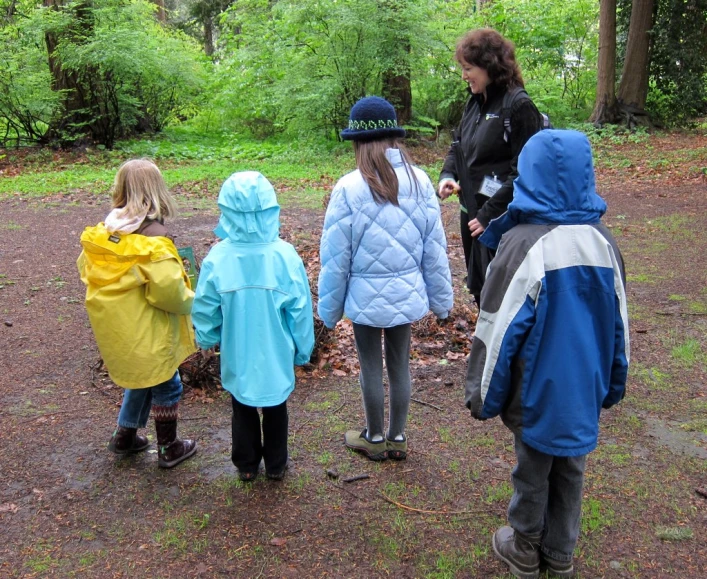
x: 384, y: 265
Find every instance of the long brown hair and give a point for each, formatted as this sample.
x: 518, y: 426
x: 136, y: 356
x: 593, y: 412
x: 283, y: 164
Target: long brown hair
x: 487, y: 49
x: 378, y: 173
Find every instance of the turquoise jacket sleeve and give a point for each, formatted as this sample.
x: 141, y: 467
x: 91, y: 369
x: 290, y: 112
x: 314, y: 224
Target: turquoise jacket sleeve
x: 299, y: 316
x: 206, y: 311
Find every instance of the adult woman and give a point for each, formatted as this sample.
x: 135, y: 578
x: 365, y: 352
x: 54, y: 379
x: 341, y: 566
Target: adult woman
x: 481, y: 163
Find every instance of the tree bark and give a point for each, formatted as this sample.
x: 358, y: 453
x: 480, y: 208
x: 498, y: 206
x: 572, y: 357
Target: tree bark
x: 633, y: 89
x: 397, y: 90
x: 208, y: 35
x: 160, y: 13
x: 605, y: 107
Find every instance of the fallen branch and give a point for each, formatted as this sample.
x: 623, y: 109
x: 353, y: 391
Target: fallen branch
x: 387, y: 499
x: 357, y: 477
x: 427, y: 404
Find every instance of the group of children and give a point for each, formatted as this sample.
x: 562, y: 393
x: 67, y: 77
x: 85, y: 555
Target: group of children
x: 555, y: 292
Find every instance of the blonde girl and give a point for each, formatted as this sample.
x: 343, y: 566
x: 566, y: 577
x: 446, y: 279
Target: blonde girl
x: 138, y: 300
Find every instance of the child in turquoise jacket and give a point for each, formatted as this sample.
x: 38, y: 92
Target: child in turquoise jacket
x: 253, y: 300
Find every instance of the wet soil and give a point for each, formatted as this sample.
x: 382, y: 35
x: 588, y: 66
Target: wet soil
x: 68, y: 508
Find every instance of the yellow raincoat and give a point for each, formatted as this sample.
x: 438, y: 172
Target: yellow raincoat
x: 138, y: 299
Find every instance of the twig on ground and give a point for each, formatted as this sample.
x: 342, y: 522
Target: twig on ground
x: 357, y: 477
x: 387, y: 499
x: 427, y: 404
x: 702, y: 492
x: 681, y: 313
x: 194, y: 418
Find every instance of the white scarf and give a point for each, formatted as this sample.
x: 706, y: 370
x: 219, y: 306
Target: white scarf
x: 118, y: 222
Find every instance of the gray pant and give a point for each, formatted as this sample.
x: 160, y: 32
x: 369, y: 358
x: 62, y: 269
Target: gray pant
x: 547, y: 499
x: 397, y: 360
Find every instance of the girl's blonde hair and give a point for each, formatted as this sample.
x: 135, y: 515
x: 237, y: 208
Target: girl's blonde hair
x: 139, y: 187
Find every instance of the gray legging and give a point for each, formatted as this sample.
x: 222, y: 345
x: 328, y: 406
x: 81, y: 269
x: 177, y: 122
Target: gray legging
x: 397, y: 360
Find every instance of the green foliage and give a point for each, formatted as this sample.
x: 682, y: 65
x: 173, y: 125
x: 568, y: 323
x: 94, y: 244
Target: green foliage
x: 678, y: 75
x: 557, y: 46
x: 301, y: 65
x: 113, y: 69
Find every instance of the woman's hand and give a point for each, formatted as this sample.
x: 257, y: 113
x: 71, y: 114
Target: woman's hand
x: 448, y: 187
x: 476, y: 228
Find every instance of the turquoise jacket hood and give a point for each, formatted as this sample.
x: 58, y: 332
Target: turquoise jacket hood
x: 249, y: 209
x: 253, y: 297
x: 555, y: 185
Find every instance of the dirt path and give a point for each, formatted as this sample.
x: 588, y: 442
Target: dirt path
x: 69, y: 508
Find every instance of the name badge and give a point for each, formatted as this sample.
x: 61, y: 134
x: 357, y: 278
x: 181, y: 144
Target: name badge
x: 490, y: 186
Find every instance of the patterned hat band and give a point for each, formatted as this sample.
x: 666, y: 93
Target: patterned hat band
x: 372, y: 125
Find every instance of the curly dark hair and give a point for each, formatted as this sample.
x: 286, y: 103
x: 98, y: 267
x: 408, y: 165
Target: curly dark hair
x: 487, y: 49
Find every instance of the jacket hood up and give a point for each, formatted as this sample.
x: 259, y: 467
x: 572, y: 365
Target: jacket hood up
x: 555, y: 185
x: 249, y: 209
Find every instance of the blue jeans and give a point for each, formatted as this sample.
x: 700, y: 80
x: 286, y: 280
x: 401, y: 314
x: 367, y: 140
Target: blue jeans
x: 547, y: 499
x: 137, y: 402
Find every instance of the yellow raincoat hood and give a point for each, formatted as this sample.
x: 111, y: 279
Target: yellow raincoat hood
x: 138, y: 300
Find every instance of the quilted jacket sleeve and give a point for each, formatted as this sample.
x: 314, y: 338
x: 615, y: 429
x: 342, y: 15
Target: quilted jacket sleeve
x: 298, y: 315
x: 435, y: 264
x: 335, y: 255
x: 206, y: 312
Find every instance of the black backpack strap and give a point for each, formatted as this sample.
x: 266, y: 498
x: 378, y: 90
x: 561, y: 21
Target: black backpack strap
x: 509, y: 100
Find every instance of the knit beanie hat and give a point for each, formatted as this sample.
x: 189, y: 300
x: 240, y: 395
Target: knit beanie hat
x: 370, y: 119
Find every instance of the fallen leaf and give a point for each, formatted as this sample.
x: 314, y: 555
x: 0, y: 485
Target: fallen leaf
x: 278, y: 541
x: 8, y: 508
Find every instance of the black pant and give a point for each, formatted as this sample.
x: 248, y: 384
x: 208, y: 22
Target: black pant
x: 249, y: 448
x: 477, y: 258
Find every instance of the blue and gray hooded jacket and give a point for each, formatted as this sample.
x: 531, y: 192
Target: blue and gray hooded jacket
x: 253, y: 296
x: 551, y: 347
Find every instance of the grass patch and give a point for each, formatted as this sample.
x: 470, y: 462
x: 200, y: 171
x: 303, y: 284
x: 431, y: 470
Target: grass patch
x: 688, y: 353
x: 596, y: 516
x: 674, y: 533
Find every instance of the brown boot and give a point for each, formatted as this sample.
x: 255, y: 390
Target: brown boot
x: 127, y: 441
x: 520, y: 552
x: 171, y: 450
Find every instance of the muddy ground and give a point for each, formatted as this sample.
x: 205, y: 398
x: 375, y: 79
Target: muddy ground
x: 69, y: 508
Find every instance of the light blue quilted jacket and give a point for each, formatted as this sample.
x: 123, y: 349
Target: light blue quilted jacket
x: 383, y: 265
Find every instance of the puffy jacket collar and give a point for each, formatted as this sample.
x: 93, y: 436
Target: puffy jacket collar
x: 249, y: 209
x: 395, y: 157
x: 555, y: 185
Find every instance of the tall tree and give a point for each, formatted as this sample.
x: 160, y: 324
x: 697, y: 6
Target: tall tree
x: 605, y: 107
x: 633, y: 88
x: 395, y: 76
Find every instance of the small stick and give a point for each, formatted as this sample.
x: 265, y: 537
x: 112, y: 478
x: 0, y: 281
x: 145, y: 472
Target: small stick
x: 357, y: 477
x: 426, y: 404
x: 423, y: 511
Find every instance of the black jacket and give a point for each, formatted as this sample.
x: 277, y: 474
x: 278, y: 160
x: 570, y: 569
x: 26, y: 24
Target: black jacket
x: 479, y: 144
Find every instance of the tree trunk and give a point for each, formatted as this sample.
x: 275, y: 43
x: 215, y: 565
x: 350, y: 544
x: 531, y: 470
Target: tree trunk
x: 605, y: 107
x: 208, y: 35
x: 634, y: 78
x: 74, y: 105
x: 397, y: 90
x: 160, y: 13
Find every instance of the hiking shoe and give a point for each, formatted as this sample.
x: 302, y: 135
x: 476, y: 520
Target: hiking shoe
x: 360, y: 443
x: 127, y: 441
x: 519, y: 552
x: 397, y: 449
x: 556, y: 568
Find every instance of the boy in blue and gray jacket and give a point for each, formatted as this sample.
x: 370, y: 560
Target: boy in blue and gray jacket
x: 551, y: 347
x: 253, y: 300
